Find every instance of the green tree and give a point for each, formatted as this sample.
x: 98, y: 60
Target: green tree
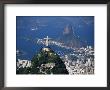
x: 42, y: 58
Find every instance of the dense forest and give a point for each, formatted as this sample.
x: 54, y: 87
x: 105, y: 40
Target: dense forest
x: 45, y: 62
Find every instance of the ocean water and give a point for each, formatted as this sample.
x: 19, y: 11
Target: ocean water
x: 28, y: 28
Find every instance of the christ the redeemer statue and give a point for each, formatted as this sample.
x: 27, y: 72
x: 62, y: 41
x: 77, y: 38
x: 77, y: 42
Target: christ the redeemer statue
x: 47, y: 41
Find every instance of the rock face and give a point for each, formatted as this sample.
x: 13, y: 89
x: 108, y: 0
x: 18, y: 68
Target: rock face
x: 68, y: 30
x: 69, y: 38
x: 48, y: 62
x: 45, y: 62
